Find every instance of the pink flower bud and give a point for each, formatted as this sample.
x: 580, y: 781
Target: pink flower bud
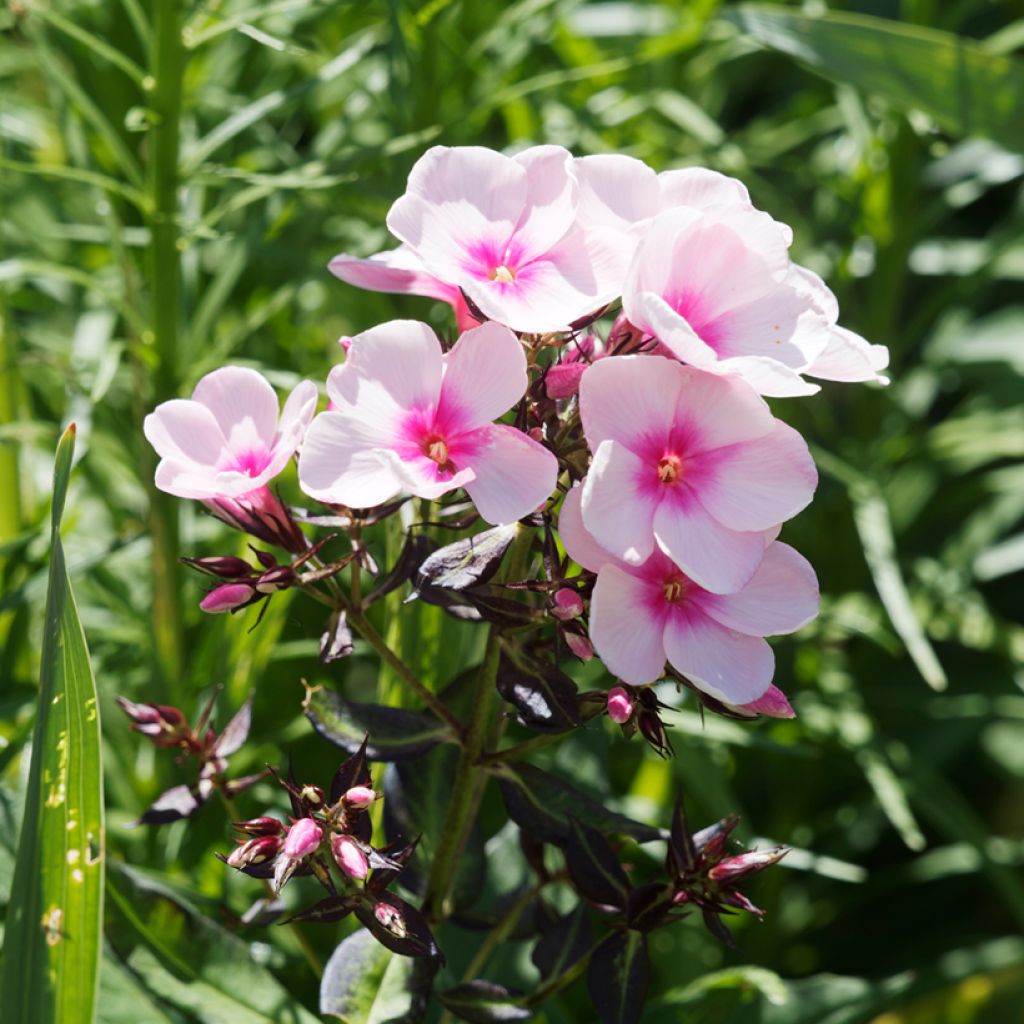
x: 359, y: 797
x: 255, y: 851
x: 226, y: 598
x: 349, y: 857
x: 580, y: 646
x: 345, y: 341
x: 620, y: 706
x: 227, y: 567
x: 281, y: 577
x: 771, y: 704
x: 563, y: 379
x: 732, y: 869
x: 303, y: 838
x: 567, y: 604
x: 164, y: 725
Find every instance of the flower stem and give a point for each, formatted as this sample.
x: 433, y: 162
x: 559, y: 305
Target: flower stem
x: 470, y: 778
x: 168, y: 62
x: 363, y: 626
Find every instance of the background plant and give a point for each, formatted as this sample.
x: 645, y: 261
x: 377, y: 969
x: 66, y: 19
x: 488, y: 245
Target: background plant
x: 292, y: 130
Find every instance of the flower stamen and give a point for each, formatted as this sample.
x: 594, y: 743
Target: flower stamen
x: 674, y: 589
x: 670, y: 468
x: 502, y: 274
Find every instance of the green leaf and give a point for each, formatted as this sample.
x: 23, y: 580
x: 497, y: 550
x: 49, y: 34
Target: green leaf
x: 395, y: 734
x: 185, y: 960
x: 364, y: 983
x: 54, y: 920
x: 966, y: 89
x: 484, y: 1002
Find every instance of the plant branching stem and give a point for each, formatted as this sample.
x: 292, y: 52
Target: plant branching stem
x: 168, y: 64
x: 470, y: 778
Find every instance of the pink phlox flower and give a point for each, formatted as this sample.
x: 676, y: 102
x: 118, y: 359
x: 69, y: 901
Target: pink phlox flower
x: 409, y: 417
x: 712, y: 279
x: 644, y: 615
x: 227, y: 441
x: 690, y: 464
x: 504, y: 231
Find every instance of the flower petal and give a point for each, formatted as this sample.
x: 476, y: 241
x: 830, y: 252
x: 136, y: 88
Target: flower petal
x: 626, y: 626
x: 337, y: 464
x: 244, y: 405
x: 767, y: 376
x: 578, y: 541
x: 781, y: 596
x: 848, y: 357
x: 630, y: 399
x: 717, y: 558
x: 391, y: 369
x: 756, y: 484
x: 484, y: 376
x: 551, y: 200
x: 185, y: 432
x: 514, y: 474
x: 616, y: 191
x: 399, y: 271
x: 618, y: 509
x: 730, y: 666
x: 700, y: 187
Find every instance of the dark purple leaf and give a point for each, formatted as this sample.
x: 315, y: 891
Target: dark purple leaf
x: 467, y: 562
x: 681, y: 855
x: 563, y: 944
x: 618, y: 976
x: 333, y: 908
x: 484, y: 1002
x: 542, y: 804
x: 542, y: 693
x: 395, y: 734
x: 594, y: 868
x: 714, y: 924
x: 351, y: 772
x: 415, y: 550
x: 176, y: 803
x: 648, y: 906
x: 239, y: 785
x: 236, y: 732
x: 398, y: 925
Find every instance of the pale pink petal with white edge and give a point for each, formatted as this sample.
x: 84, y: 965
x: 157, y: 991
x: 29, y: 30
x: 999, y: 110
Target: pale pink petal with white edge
x: 781, y: 597
x: 617, y: 192
x: 700, y: 188
x: 577, y: 540
x: 551, y: 200
x: 757, y: 483
x: 484, y: 376
x: 618, y: 509
x: 514, y: 475
x: 624, y: 628
x: 717, y: 558
x: 185, y: 432
x: 771, y: 704
x: 849, y: 357
x: 730, y: 666
x: 243, y: 403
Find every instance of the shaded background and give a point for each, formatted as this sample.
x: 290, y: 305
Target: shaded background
x: 899, y: 783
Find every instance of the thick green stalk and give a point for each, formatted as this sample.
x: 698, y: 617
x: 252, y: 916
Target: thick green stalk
x: 470, y: 775
x: 10, y: 480
x: 168, y: 62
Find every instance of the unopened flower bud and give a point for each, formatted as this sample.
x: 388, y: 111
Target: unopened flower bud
x: 580, y: 646
x: 345, y: 341
x: 349, y: 857
x: 260, y: 827
x: 567, y: 604
x: 303, y: 838
x: 732, y: 869
x: 359, y: 797
x: 255, y: 851
x: 620, y: 706
x: 227, y: 567
x: 281, y: 577
x: 391, y: 919
x: 226, y: 598
x: 164, y: 725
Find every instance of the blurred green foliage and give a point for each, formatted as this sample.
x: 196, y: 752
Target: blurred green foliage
x: 900, y: 782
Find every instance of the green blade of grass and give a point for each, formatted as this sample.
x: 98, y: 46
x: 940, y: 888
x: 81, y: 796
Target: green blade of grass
x: 966, y: 89
x: 53, y: 933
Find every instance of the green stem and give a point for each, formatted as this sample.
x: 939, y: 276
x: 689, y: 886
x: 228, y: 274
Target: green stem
x: 168, y: 61
x: 520, y: 750
x: 10, y: 480
x: 365, y: 629
x: 470, y: 778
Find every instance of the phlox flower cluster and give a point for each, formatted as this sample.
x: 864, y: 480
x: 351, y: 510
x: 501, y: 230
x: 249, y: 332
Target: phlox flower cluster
x: 619, y: 332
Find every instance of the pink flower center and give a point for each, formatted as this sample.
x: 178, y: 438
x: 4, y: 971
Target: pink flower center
x: 670, y: 468
x: 251, y: 463
x: 675, y: 589
x: 436, y: 449
x: 502, y: 273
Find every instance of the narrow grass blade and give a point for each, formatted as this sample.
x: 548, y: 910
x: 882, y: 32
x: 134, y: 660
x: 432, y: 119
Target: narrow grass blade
x: 53, y: 930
